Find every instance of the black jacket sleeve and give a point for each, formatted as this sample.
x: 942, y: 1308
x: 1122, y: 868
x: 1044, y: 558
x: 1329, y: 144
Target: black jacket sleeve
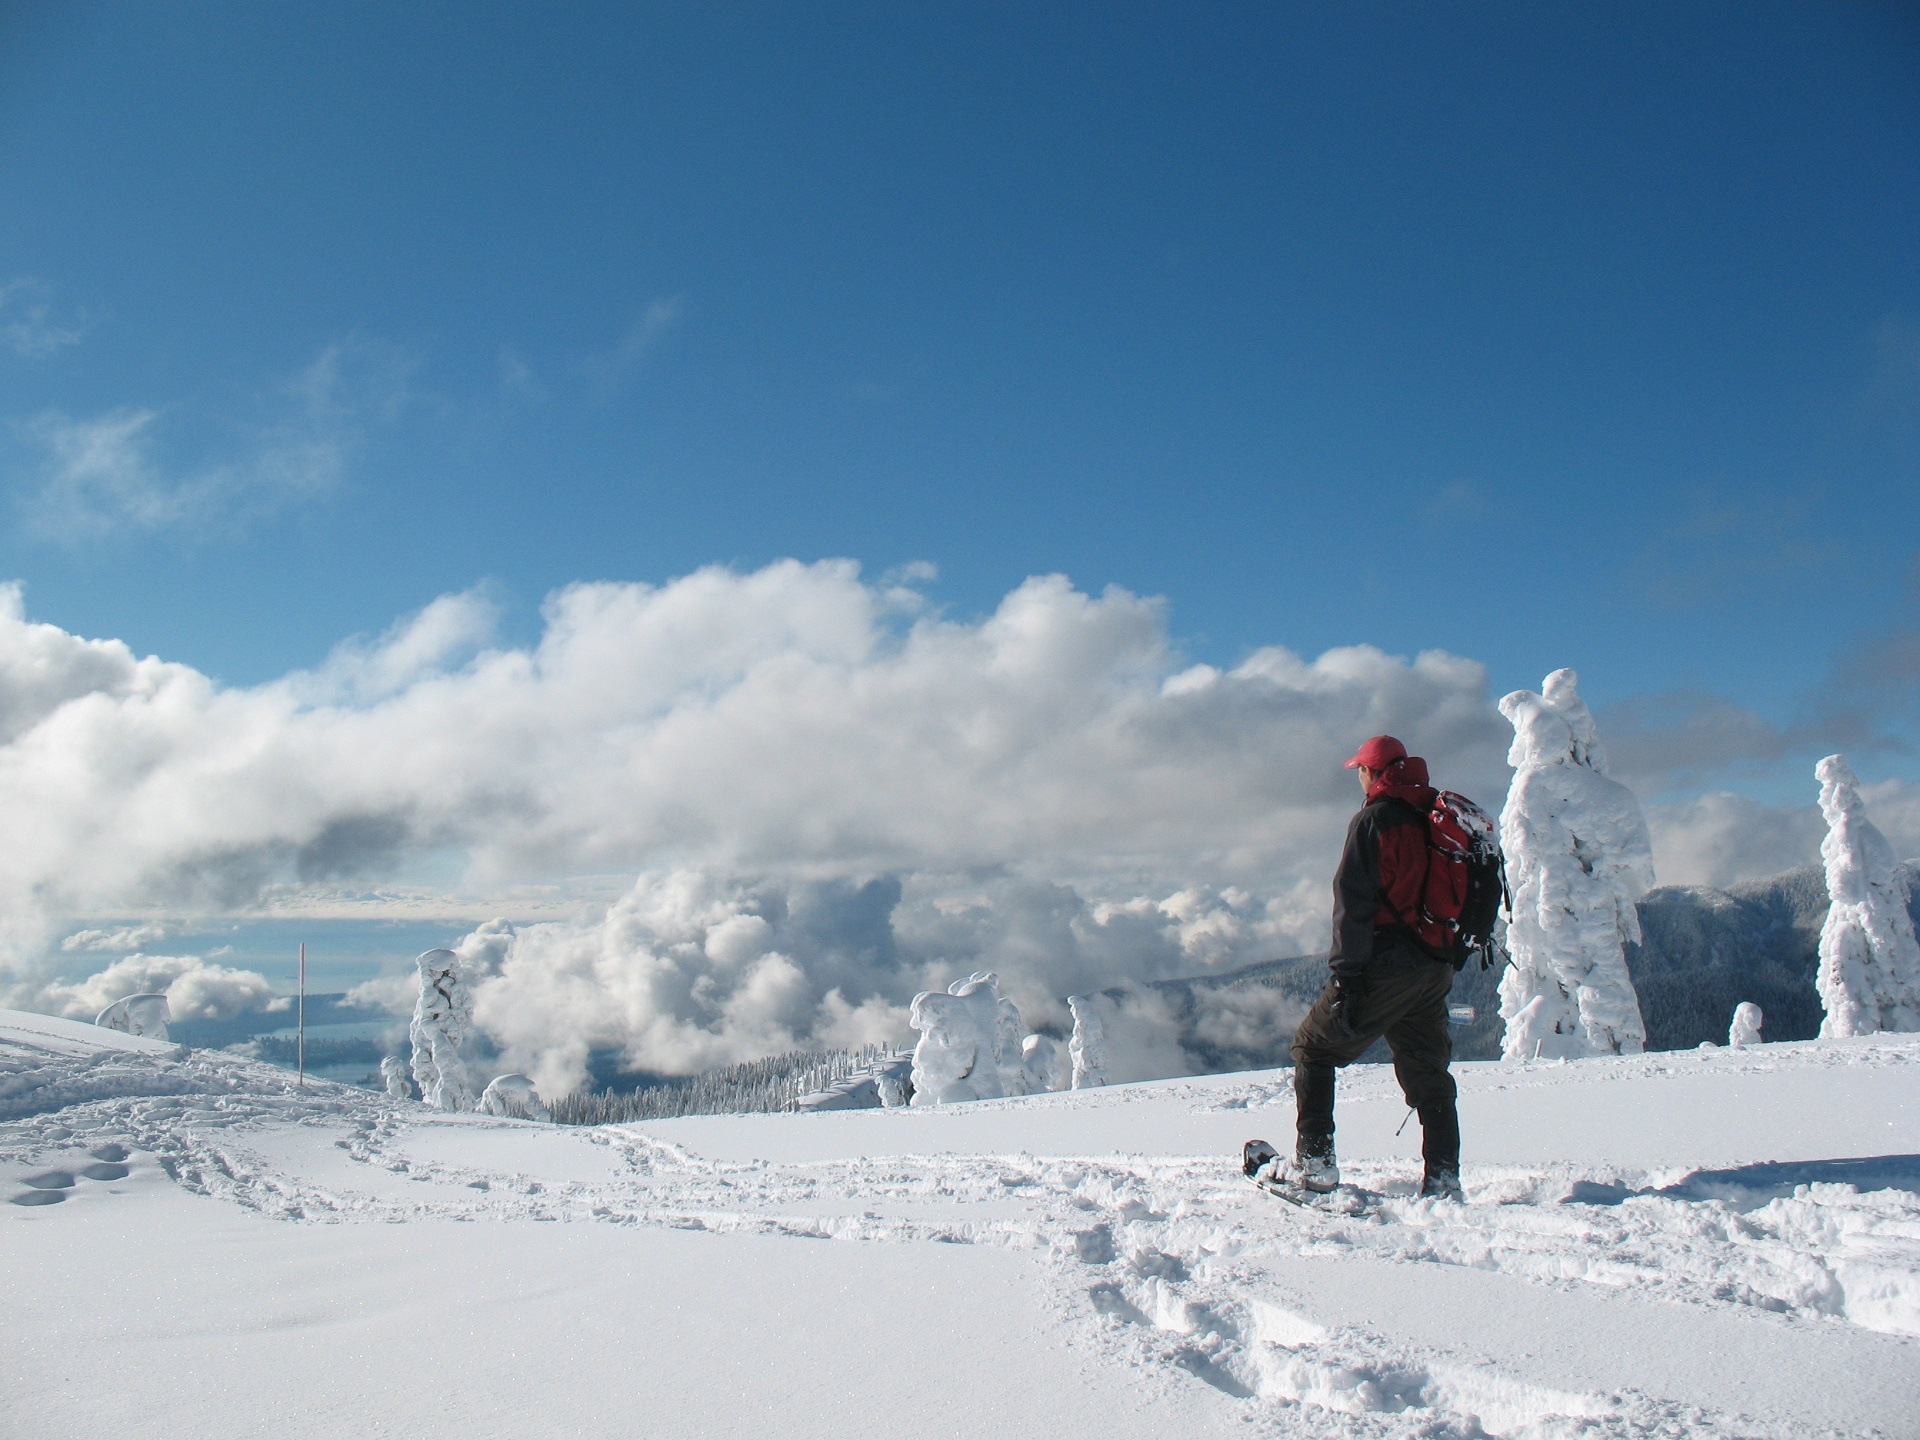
x: 1356, y: 896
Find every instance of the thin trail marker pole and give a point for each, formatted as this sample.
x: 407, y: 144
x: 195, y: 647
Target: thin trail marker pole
x: 301, y: 1047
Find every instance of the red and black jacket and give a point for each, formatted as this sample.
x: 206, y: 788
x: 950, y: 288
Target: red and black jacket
x: 1383, y: 869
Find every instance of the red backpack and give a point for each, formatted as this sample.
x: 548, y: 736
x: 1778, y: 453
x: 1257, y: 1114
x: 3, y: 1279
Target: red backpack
x: 1466, y: 883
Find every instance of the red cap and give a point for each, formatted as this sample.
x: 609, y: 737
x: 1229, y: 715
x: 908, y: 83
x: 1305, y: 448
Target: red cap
x: 1378, y: 753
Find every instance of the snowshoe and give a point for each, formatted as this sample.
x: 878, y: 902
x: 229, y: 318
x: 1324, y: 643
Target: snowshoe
x: 1274, y: 1173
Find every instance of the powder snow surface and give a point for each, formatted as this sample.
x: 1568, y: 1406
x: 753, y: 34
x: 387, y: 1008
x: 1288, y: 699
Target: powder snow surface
x: 1715, y: 1243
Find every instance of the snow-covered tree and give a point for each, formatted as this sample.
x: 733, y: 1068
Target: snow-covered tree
x: 1869, y: 977
x: 393, y: 1074
x: 1087, y: 1046
x: 513, y: 1096
x: 1745, y: 1029
x: 1040, y: 1057
x: 894, y: 1088
x: 1578, y: 859
x: 441, y: 1019
x: 959, y: 1054
x: 146, y: 1015
x: 1009, y: 1048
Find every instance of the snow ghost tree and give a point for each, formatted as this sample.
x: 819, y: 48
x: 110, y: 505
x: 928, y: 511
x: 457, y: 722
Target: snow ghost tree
x: 1087, y: 1047
x: 513, y: 1096
x: 393, y: 1074
x: 144, y: 1015
x: 895, y: 1089
x: 1009, y: 1048
x: 1745, y: 1029
x: 441, y: 1019
x: 1040, y: 1058
x: 1578, y: 858
x: 1869, y: 976
x: 958, y: 1056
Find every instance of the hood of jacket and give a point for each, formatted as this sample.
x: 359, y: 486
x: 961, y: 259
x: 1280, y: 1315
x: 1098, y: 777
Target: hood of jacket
x: 1404, y: 780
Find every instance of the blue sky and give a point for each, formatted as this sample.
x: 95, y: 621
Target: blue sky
x: 1543, y: 335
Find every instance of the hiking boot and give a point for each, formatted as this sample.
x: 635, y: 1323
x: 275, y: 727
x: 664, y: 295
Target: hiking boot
x: 1443, y: 1184
x: 1315, y: 1171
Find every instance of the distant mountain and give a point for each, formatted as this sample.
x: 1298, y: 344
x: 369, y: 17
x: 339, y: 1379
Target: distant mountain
x: 1703, y: 952
x: 1707, y: 950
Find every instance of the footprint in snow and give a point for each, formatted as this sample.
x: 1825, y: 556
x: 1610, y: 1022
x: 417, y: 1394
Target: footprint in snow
x: 50, y: 1187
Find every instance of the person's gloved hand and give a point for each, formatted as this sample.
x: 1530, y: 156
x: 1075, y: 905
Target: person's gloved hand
x: 1348, y: 993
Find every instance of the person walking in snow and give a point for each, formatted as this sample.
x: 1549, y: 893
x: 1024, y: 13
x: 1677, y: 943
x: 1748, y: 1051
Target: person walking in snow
x: 1384, y: 981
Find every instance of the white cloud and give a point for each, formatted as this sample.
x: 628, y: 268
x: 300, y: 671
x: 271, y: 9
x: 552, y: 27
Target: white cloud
x: 195, y: 990
x: 778, y: 721
x: 1720, y: 838
x: 126, y: 937
x: 103, y: 473
x: 28, y: 325
x: 1894, y: 806
x: 833, y: 798
x: 517, y: 380
x: 1036, y: 789
x: 692, y: 969
x: 608, y: 371
x: 448, y: 632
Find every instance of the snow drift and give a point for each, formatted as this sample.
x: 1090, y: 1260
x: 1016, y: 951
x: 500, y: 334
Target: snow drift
x: 1721, y: 1244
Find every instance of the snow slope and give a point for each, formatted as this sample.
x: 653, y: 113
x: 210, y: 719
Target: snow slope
x: 1717, y: 1243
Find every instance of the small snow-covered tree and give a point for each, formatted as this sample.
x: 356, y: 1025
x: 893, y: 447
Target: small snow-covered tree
x: 1087, y: 1046
x: 1869, y: 976
x: 1040, y: 1057
x: 958, y: 1056
x: 393, y: 1075
x: 1579, y: 858
x: 513, y: 1096
x: 144, y: 1015
x: 441, y: 1019
x: 1745, y: 1029
x: 895, y: 1089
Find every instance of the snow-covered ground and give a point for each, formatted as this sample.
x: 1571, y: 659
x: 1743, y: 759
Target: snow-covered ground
x: 1718, y: 1243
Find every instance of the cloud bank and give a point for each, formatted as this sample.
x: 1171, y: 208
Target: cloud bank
x: 833, y: 796
x: 789, y: 721
x: 195, y: 989
x: 1720, y: 838
x: 690, y: 969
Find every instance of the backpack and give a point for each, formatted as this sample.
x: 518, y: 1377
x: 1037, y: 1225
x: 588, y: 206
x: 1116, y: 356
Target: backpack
x: 1466, y: 883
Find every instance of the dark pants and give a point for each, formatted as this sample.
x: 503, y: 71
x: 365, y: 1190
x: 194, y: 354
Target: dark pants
x: 1405, y: 999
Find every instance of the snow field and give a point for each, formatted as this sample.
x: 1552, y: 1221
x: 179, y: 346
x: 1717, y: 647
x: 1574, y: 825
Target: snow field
x: 1716, y: 1243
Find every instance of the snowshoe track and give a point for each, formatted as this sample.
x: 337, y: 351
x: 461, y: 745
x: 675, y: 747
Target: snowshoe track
x: 1162, y: 1259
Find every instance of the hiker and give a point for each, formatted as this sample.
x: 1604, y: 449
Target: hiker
x: 1385, y: 981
